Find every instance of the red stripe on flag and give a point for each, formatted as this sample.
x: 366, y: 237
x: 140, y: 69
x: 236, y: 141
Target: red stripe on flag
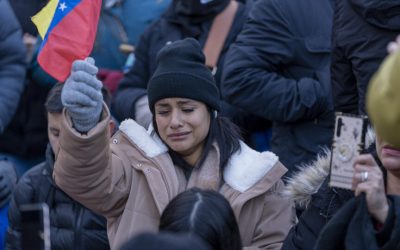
x: 71, y: 39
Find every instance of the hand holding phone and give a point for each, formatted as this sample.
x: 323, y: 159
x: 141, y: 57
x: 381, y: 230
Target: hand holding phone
x: 348, y: 142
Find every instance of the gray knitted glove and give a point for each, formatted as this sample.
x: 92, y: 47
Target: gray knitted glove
x: 81, y: 95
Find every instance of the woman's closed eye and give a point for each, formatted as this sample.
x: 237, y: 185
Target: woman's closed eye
x: 162, y: 112
x: 187, y: 110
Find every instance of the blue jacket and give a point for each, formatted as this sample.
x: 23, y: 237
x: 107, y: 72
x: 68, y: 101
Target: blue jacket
x: 12, y: 64
x: 278, y: 69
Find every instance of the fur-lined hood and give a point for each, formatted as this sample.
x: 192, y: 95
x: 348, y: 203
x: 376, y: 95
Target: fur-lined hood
x: 307, y: 181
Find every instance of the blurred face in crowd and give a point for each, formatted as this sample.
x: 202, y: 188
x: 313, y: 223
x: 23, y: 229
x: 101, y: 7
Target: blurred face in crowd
x: 53, y: 130
x: 388, y: 154
x: 183, y: 124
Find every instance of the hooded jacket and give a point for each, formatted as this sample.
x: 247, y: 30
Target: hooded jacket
x: 278, y: 69
x: 72, y: 226
x: 361, y: 31
x: 132, y: 179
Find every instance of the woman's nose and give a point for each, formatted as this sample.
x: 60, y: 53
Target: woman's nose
x: 176, y: 120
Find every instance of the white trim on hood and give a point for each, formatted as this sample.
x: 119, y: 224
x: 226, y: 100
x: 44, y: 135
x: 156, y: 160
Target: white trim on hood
x: 244, y: 169
x: 145, y: 140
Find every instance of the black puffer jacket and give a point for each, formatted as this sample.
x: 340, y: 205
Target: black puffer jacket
x: 72, y: 225
x: 361, y: 31
x: 172, y: 26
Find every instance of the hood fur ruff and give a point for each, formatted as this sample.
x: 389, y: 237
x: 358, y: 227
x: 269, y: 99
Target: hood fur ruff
x: 245, y: 168
x: 306, y: 182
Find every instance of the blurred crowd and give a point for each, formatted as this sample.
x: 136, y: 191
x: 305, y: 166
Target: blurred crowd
x: 204, y: 124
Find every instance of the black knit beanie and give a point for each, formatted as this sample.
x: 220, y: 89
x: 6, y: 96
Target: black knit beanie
x: 181, y: 72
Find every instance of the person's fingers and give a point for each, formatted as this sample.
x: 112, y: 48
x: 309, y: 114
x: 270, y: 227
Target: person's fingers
x: 366, y: 174
x: 79, y: 100
x: 362, y: 187
x: 90, y: 60
x: 86, y: 66
x: 85, y: 78
x: 90, y: 92
x: 365, y: 159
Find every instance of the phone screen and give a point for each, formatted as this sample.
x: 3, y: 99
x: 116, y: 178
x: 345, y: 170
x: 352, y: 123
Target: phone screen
x: 35, y: 227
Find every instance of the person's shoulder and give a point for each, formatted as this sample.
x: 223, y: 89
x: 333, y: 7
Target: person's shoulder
x: 34, y: 174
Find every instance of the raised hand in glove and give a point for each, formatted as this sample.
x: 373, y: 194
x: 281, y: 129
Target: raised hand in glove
x: 8, y: 179
x: 82, y: 96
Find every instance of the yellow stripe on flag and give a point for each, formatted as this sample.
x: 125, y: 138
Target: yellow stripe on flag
x: 43, y: 19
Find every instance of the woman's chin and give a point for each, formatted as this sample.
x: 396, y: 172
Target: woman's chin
x: 391, y: 163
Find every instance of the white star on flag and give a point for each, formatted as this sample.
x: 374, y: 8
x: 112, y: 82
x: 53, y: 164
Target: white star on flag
x: 63, y: 6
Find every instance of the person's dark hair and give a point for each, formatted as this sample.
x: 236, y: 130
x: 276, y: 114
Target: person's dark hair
x: 204, y: 213
x: 54, y: 104
x: 166, y: 241
x: 222, y: 131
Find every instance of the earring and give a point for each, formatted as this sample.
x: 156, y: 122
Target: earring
x: 215, y: 113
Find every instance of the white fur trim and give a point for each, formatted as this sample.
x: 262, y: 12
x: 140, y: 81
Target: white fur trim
x: 145, y: 140
x: 247, y: 166
x: 308, y: 179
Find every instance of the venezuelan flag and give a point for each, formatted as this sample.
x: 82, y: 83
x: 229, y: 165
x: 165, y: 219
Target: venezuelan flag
x: 68, y: 29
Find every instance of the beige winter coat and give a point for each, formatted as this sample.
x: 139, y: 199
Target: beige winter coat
x: 131, y: 179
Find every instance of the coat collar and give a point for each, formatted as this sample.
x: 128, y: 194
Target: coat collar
x: 247, y: 166
x: 147, y: 141
x: 244, y: 169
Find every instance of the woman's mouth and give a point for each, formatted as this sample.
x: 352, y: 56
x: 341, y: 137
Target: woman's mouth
x: 178, y: 136
x: 392, y: 151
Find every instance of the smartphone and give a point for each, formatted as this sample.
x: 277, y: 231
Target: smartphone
x: 35, y: 221
x: 348, y: 142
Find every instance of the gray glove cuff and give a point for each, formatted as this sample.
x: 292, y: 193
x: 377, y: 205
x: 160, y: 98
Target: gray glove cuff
x: 84, y: 123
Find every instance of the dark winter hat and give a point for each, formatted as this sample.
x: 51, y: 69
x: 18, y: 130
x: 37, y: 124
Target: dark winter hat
x: 181, y: 72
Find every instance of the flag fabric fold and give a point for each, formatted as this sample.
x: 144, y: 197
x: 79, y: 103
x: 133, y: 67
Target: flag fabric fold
x: 68, y: 29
